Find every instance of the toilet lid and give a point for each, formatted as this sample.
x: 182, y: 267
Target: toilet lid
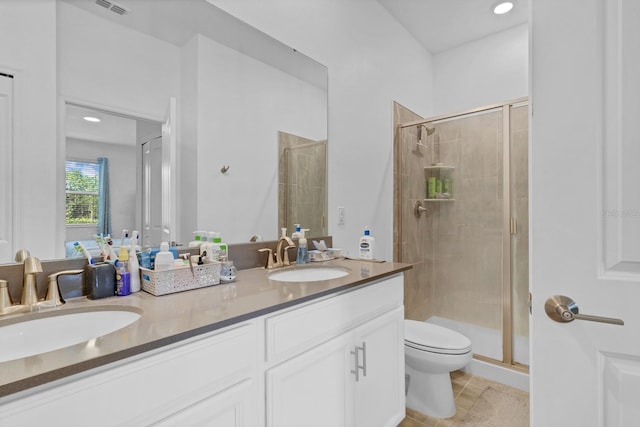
x: 437, y: 339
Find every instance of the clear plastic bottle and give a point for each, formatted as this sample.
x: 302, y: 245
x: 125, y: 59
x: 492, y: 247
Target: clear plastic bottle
x: 303, y: 250
x: 296, y: 234
x: 134, y: 266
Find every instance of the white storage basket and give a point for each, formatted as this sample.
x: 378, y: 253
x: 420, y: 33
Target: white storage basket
x: 163, y: 282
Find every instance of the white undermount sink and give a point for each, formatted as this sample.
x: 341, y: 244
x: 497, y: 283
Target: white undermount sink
x: 43, y: 334
x: 308, y: 274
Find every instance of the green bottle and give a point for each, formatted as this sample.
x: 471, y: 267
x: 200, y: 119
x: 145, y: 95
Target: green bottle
x: 431, y: 187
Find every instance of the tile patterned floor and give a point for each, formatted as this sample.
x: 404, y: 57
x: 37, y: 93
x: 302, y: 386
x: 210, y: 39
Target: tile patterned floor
x: 466, y: 389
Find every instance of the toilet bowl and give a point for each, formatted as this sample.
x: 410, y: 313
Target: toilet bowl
x: 431, y: 353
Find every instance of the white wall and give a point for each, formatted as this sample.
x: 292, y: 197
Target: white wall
x: 28, y: 51
x: 486, y: 71
x: 372, y: 62
x: 242, y: 104
x: 111, y: 65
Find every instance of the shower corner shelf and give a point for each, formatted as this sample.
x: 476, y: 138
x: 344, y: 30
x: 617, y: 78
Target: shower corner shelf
x: 444, y: 172
x: 439, y: 167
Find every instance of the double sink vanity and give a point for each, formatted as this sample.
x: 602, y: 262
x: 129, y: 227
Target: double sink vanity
x: 320, y: 344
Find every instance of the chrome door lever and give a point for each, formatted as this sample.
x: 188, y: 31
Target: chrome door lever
x: 563, y: 309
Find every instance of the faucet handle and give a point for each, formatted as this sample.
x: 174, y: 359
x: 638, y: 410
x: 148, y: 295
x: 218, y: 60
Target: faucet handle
x: 269, y: 263
x: 5, y: 298
x: 54, y: 297
x: 21, y: 255
x: 286, y: 261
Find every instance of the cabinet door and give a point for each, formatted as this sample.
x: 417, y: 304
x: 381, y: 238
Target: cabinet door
x: 380, y: 399
x: 314, y: 388
x: 234, y: 407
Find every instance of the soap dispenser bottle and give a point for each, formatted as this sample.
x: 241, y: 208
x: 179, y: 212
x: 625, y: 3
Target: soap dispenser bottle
x: 303, y: 250
x: 296, y: 234
x: 367, y: 245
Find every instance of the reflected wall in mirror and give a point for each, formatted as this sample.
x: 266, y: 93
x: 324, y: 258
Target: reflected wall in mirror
x: 302, y: 184
x: 235, y: 87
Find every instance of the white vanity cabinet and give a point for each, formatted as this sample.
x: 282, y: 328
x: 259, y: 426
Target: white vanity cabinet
x: 210, y: 380
x: 338, y: 362
x: 333, y: 361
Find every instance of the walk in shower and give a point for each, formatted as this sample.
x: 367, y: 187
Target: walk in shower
x: 461, y: 217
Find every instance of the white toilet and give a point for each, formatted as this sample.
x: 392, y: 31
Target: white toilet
x: 431, y: 352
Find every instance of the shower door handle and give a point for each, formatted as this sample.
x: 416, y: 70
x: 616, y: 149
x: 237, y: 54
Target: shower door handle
x: 563, y: 309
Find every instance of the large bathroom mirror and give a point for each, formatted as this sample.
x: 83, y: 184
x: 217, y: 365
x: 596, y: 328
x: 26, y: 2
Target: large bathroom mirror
x: 237, y: 92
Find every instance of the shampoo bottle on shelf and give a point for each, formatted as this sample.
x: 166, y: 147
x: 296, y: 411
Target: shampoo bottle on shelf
x: 164, y: 258
x: 367, y: 245
x: 303, y: 250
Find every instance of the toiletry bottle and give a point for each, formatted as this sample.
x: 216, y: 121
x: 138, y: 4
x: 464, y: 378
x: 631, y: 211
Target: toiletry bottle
x: 134, y: 266
x: 296, y: 234
x: 431, y: 187
x: 446, y: 186
x: 164, y: 258
x: 123, y: 276
x: 303, y: 250
x: 367, y: 245
x: 204, y: 242
x: 197, y: 240
x: 218, y: 248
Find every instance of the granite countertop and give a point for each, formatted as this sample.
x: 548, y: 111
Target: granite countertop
x: 171, y: 318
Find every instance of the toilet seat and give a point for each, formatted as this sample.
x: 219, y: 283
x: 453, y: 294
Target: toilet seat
x: 435, y: 339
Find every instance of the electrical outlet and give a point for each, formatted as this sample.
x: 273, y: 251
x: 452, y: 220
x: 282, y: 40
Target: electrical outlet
x: 340, y: 215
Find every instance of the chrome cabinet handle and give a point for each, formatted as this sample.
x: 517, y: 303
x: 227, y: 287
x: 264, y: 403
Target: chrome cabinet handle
x: 563, y: 309
x: 364, y: 359
x: 356, y: 353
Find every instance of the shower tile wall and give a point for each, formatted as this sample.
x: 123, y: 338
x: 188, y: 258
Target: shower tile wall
x: 413, y: 242
x: 302, y: 184
x: 467, y: 256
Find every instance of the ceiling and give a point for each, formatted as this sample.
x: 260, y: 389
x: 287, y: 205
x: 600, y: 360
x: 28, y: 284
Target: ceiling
x: 440, y: 25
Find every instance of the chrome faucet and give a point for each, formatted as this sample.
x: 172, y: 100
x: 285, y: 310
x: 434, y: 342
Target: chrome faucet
x: 281, y: 255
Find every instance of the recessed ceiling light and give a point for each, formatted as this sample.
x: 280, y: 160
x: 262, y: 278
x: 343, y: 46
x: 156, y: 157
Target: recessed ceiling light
x: 91, y: 119
x: 502, y: 8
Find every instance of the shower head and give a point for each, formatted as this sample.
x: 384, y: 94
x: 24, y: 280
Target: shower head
x: 429, y: 130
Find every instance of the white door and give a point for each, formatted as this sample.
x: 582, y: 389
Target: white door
x: 6, y: 168
x: 169, y: 173
x: 152, y: 192
x: 585, y: 210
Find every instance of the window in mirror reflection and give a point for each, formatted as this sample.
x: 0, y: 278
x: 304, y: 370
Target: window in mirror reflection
x: 82, y: 183
x: 87, y: 193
